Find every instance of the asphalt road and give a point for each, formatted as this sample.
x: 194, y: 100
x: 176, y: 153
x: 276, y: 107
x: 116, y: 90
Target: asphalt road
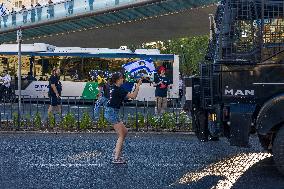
x: 155, y: 161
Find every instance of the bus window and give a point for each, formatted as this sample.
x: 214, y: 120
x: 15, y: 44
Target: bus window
x: 2, y: 67
x: 71, y: 69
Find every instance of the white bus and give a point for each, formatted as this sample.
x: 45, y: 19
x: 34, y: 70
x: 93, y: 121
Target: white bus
x: 39, y: 58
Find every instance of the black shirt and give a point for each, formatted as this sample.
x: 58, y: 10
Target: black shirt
x: 117, y: 96
x: 161, y: 89
x: 55, y: 80
x: 106, y: 90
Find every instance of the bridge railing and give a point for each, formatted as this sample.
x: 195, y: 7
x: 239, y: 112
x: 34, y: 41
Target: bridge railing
x: 56, y: 11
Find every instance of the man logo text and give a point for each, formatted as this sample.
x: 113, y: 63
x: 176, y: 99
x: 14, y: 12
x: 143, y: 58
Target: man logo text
x: 233, y: 92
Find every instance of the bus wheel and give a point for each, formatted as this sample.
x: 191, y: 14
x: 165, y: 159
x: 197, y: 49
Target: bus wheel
x: 278, y: 150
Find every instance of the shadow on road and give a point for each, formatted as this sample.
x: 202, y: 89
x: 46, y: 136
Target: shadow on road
x: 242, y: 171
x: 262, y: 175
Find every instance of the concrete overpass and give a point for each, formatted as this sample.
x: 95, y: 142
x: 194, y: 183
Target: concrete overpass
x: 113, y: 25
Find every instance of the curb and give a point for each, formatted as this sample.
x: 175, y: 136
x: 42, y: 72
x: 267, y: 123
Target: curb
x: 97, y: 132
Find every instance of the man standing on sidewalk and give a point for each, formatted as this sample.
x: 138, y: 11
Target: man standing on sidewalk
x: 5, y: 84
x: 55, y: 88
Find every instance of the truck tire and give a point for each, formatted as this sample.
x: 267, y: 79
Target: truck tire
x: 265, y: 141
x: 201, y: 131
x: 278, y: 150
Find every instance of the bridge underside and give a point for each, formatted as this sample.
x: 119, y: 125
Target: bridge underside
x: 190, y: 22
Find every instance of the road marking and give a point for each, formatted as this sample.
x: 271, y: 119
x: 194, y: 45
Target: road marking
x: 268, y: 83
x: 67, y: 165
x: 84, y: 155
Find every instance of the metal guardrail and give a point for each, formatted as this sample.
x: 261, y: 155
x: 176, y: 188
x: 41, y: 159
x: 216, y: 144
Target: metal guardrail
x: 57, y: 11
x: 78, y: 114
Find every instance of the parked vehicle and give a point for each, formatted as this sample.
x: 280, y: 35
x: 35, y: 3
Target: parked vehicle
x: 240, y: 89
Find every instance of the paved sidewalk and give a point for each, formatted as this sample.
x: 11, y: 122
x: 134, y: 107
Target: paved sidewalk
x: 156, y: 160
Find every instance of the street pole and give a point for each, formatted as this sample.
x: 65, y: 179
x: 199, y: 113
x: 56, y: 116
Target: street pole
x: 182, y: 56
x: 19, y: 40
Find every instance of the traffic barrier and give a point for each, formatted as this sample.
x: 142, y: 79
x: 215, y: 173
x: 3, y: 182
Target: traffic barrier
x: 79, y: 112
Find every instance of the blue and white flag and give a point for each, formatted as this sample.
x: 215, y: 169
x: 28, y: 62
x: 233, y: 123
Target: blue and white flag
x: 2, y: 10
x: 135, y: 67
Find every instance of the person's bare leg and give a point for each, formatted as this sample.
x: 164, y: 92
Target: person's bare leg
x: 156, y: 108
x: 164, y: 105
x: 59, y: 109
x: 50, y: 109
x: 121, y: 131
x: 159, y: 105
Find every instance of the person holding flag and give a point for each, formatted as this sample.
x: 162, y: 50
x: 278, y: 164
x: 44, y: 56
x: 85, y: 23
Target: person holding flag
x: 117, y: 96
x: 161, y: 82
x: 103, y: 95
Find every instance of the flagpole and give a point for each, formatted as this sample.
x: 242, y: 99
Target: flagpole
x: 19, y: 40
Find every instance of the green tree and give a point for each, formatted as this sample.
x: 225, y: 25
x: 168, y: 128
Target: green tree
x: 191, y: 50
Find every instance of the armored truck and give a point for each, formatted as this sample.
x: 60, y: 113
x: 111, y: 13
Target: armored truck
x: 240, y: 88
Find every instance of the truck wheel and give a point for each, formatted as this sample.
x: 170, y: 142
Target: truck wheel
x: 202, y: 127
x: 265, y: 141
x: 278, y: 150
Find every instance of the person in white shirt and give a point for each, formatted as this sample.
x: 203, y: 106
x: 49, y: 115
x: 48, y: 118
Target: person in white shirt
x: 5, y: 82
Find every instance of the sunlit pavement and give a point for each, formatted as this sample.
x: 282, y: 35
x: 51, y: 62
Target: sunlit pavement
x: 166, y: 160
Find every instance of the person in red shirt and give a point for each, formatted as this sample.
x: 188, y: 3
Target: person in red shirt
x: 161, y: 82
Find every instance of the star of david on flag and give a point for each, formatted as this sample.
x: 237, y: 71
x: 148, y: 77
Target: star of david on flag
x: 2, y: 10
x: 136, y: 66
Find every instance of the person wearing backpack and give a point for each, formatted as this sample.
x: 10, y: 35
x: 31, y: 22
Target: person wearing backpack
x: 103, y: 96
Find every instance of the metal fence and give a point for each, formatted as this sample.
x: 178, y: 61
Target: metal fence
x: 78, y: 114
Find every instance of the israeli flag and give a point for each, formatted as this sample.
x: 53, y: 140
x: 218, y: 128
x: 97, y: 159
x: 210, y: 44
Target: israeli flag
x: 2, y: 10
x: 135, y: 67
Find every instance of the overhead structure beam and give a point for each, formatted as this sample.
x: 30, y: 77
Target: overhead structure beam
x: 103, y: 20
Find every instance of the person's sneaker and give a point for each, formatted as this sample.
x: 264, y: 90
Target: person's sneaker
x: 119, y: 160
x: 120, y: 155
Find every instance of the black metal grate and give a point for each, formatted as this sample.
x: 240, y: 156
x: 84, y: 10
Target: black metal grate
x: 206, y: 82
x: 251, y: 30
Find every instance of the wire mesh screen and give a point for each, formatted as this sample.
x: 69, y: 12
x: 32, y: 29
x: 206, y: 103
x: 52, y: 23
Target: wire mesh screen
x: 248, y: 30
